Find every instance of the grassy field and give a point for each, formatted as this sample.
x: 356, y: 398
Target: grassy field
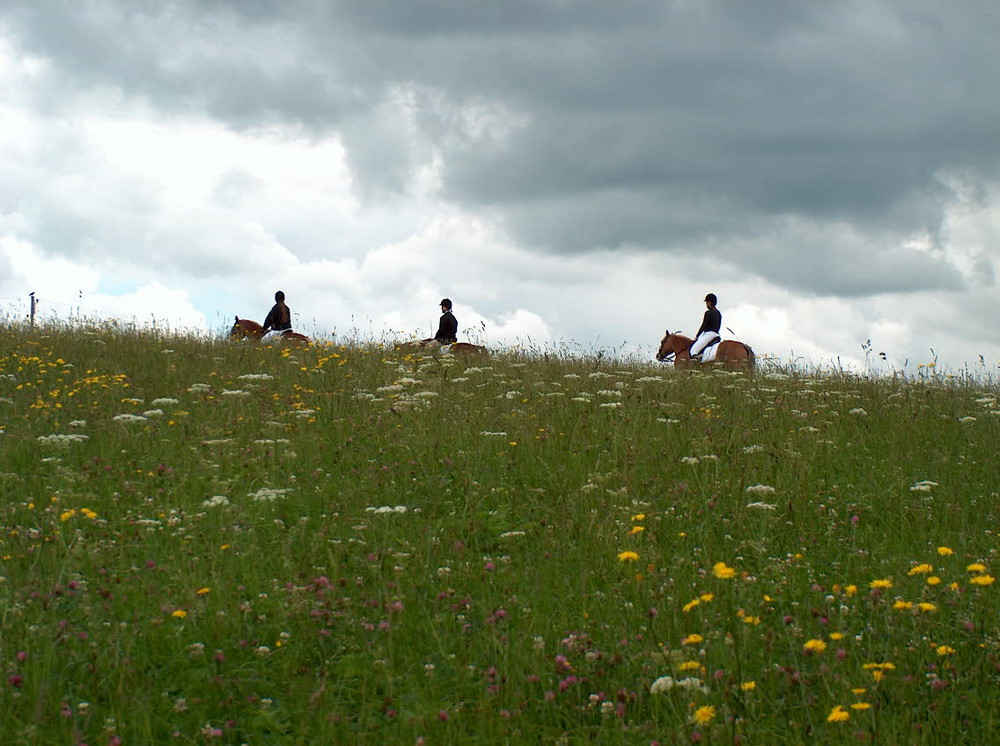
x: 207, y: 542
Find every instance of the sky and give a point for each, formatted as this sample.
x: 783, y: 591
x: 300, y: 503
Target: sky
x: 575, y: 175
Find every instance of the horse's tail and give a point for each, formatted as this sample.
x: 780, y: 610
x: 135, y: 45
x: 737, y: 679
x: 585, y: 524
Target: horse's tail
x: 751, y: 357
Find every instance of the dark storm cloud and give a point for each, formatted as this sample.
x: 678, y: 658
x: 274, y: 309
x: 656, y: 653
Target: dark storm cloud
x: 657, y: 126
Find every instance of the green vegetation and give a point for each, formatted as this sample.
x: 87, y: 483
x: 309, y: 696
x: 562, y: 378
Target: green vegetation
x: 210, y: 542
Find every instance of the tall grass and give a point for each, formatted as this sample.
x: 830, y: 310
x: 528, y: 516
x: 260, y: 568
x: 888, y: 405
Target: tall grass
x: 208, y: 542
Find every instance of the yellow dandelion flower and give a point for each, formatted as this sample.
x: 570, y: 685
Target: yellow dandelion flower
x: 836, y: 636
x: 921, y: 569
x: 88, y: 513
x: 748, y: 686
x: 901, y: 605
x: 945, y: 551
x: 878, y: 675
x: 814, y: 646
x: 881, y: 583
x: 927, y: 606
x: 636, y: 530
x: 982, y: 580
x: 851, y: 590
x: 858, y: 690
x: 639, y: 517
x: 944, y: 650
x: 953, y: 586
x: 706, y: 597
x: 753, y: 620
x: 627, y: 556
x: 704, y: 714
x: 693, y: 639
x: 879, y: 666
x: 838, y: 715
x: 976, y: 567
x: 860, y: 706
x: 723, y: 571
x: 690, y: 605
x: 933, y: 580
x: 203, y: 591
x: 689, y: 666
x: 178, y: 613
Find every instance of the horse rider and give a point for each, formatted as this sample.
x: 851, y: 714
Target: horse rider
x: 710, y: 326
x: 279, y: 318
x: 447, y: 332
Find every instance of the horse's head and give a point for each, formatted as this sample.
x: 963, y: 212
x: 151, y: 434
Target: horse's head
x: 666, y: 347
x: 244, y: 328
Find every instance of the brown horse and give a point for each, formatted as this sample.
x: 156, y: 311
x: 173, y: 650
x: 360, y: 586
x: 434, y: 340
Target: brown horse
x: 432, y: 345
x: 248, y: 329
x: 729, y: 351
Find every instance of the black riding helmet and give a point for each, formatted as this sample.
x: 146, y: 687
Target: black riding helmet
x: 712, y: 299
x: 446, y: 303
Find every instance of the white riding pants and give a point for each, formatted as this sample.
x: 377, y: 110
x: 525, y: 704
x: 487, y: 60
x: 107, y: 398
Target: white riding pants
x: 703, y: 341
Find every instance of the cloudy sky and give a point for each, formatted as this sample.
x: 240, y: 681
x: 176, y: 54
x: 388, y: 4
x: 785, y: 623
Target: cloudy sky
x: 570, y: 172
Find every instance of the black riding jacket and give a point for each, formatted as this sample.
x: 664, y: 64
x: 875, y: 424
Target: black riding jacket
x: 447, y: 332
x: 711, y: 323
x: 278, y: 318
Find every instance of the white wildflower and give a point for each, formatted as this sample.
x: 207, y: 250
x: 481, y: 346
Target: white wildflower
x: 153, y: 413
x: 199, y: 388
x: 59, y: 439
x: 235, y: 393
x: 216, y: 501
x: 762, y: 506
x: 967, y: 419
x: 666, y: 683
x: 126, y: 417
x: 689, y: 459
x: 858, y: 411
x: 164, y: 401
x: 611, y: 404
x: 925, y: 485
x: 488, y: 433
x: 761, y: 489
x: 268, y: 494
x: 255, y: 377
x: 78, y: 423
x: 755, y: 448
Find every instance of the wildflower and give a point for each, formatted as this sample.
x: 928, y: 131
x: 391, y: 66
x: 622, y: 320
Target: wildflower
x: 859, y: 411
x: 838, y: 715
x: 637, y: 529
x: 704, y: 714
x: 762, y: 505
x: 814, y: 646
x: 944, y: 650
x: 982, y: 580
x: 761, y: 489
x: 692, y: 639
x: 204, y: 591
x: 706, y: 597
x: 178, y: 613
x: 933, y: 580
x: 690, y: 605
x: 923, y: 486
x: 881, y: 584
x: 927, y: 606
x: 689, y: 666
x: 901, y: 605
x: 722, y: 571
x: 126, y: 417
x: 836, y: 636
x: 976, y: 567
x: 627, y: 556
x: 666, y: 683
x: 748, y: 686
x: 921, y: 569
x: 860, y: 706
x: 945, y: 551
x: 639, y: 517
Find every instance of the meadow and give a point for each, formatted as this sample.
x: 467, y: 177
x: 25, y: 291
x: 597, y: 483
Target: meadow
x: 209, y: 542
